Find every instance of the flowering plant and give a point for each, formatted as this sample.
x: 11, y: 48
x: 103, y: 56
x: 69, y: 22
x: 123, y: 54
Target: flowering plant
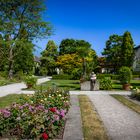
x: 30, y: 81
x: 36, y: 116
x: 135, y: 93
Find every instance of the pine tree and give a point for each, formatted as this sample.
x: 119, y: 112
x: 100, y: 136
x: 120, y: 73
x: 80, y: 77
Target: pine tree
x: 127, y: 50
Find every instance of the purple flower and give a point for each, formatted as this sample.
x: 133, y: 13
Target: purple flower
x: 20, y: 107
x: 25, y: 105
x: 40, y: 107
x: 31, y: 108
x: 6, y: 113
x: 62, y: 113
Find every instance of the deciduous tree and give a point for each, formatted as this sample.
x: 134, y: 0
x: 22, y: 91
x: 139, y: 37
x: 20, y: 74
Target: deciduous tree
x: 19, y: 16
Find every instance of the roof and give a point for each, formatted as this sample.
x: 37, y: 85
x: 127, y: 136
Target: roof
x: 138, y: 47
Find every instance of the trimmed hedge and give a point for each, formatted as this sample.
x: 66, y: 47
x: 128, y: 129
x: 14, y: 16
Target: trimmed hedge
x: 62, y: 76
x: 111, y: 76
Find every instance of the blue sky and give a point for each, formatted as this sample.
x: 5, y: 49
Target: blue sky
x: 92, y: 20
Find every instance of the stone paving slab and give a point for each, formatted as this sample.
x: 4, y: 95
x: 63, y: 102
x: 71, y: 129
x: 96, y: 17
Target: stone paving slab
x: 73, y: 128
x: 120, y: 122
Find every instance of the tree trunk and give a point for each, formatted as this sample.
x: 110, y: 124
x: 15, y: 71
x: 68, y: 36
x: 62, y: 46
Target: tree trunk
x: 84, y: 68
x: 11, y: 63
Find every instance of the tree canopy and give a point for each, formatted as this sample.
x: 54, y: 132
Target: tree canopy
x: 48, y: 58
x: 119, y: 51
x: 21, y: 22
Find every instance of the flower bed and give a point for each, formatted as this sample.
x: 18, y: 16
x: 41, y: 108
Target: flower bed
x: 40, y: 116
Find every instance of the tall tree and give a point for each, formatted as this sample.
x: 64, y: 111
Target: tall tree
x: 69, y: 62
x: 48, y: 59
x: 83, y: 49
x: 112, y: 51
x: 23, y: 57
x: 18, y: 16
x: 67, y: 46
x: 127, y: 49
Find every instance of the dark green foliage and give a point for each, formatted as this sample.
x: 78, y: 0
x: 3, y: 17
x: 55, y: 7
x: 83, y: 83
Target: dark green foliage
x: 112, y: 76
x: 136, y: 73
x: 105, y: 84
x: 119, y: 51
x: 125, y: 75
x: 62, y: 76
x: 67, y: 46
x: 102, y: 76
x: 136, y: 76
x: 23, y: 58
x: 76, y: 74
x: 48, y: 59
x: 20, y: 23
x: 112, y: 51
x: 127, y: 50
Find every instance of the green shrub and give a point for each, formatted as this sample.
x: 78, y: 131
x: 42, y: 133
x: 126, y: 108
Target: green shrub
x: 19, y: 75
x: 105, y: 84
x: 62, y: 76
x: 101, y: 76
x: 136, y: 73
x: 30, y: 81
x: 76, y: 74
x: 136, y: 93
x: 125, y: 75
x: 114, y: 77
x: 4, y: 74
x: 136, y: 76
x: 43, y: 71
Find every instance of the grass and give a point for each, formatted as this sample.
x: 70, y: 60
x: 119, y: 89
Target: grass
x: 128, y: 103
x: 93, y: 128
x: 6, y: 81
x: 116, y: 84
x: 65, y: 84
x: 9, y: 99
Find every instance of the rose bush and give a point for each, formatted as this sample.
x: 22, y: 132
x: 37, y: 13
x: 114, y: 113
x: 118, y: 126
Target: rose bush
x: 40, y: 116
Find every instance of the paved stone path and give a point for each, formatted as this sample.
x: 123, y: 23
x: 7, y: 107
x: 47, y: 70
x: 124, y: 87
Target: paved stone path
x: 120, y: 122
x: 17, y: 87
x: 73, y: 128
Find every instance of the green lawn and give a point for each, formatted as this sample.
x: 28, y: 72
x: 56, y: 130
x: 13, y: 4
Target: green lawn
x: 65, y: 84
x: 93, y: 128
x: 116, y: 84
x: 9, y: 99
x: 6, y: 81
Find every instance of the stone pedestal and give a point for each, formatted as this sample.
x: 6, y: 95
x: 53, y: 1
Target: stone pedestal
x: 85, y: 86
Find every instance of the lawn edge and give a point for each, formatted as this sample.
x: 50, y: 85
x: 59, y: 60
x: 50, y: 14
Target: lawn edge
x: 128, y: 103
x: 94, y: 116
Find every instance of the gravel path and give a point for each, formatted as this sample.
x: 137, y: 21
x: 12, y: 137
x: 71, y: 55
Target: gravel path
x: 102, y: 92
x: 121, y: 122
x: 73, y: 128
x: 17, y: 87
